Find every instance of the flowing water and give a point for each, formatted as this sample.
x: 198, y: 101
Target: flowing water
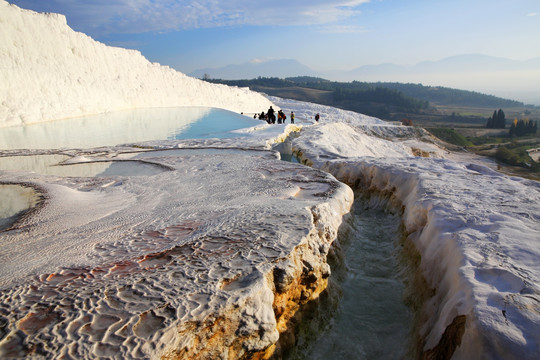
x: 363, y: 314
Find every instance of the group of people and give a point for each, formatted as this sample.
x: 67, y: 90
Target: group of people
x: 270, y: 116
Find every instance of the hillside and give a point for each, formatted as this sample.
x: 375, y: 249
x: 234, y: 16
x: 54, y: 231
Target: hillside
x: 388, y: 100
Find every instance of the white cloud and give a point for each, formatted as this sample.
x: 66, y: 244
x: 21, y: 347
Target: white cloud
x: 138, y: 16
x: 532, y: 14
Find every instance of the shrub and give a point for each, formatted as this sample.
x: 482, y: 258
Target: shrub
x: 507, y: 156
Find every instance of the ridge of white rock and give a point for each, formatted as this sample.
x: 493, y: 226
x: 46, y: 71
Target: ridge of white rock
x: 50, y: 72
x: 476, y: 231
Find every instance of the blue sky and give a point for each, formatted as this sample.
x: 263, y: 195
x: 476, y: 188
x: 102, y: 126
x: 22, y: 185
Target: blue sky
x: 322, y: 34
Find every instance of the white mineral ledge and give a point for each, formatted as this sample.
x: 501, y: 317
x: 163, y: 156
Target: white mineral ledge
x: 208, y: 257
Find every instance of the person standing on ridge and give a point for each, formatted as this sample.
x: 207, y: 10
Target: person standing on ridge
x: 271, y: 115
x: 317, y: 117
x: 281, y: 117
x: 292, y: 117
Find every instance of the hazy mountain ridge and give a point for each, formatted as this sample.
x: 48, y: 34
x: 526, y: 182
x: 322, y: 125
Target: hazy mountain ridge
x: 253, y: 69
x: 513, y: 79
x: 451, y: 65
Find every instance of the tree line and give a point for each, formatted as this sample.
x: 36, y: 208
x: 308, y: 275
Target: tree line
x: 448, y: 96
x: 520, y: 127
x: 497, y: 120
x: 523, y: 127
x: 380, y: 95
x: 423, y: 94
x: 370, y: 98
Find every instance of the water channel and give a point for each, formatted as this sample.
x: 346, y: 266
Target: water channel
x: 363, y: 314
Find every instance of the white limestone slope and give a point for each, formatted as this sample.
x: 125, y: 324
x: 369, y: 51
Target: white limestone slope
x: 51, y: 72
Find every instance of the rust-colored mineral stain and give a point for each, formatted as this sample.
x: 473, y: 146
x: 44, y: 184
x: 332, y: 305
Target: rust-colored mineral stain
x: 36, y: 321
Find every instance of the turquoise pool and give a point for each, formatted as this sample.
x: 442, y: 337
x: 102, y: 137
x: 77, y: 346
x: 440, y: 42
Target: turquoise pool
x: 125, y: 127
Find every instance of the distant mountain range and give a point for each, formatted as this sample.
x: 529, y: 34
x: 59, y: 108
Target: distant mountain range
x: 513, y: 79
x: 250, y: 70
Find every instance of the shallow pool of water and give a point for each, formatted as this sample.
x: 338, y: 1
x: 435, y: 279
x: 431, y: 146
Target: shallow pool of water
x: 15, y: 199
x: 364, y: 316
x: 42, y: 164
x: 51, y: 164
x: 125, y: 127
x: 141, y: 163
x: 192, y: 152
